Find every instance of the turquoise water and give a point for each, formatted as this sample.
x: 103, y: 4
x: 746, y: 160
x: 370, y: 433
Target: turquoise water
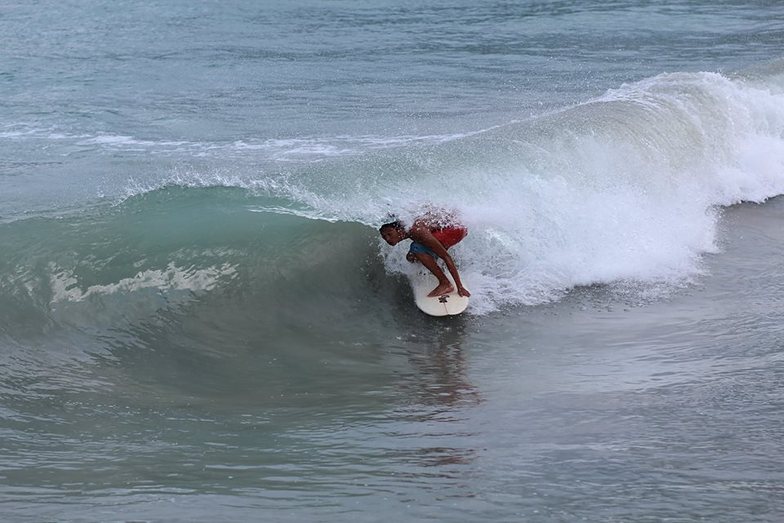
x: 199, y: 322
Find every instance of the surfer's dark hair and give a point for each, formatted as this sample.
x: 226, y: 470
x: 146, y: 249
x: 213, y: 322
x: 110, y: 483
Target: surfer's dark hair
x: 397, y: 224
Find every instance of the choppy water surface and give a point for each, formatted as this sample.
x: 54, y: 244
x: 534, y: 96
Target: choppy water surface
x: 198, y: 321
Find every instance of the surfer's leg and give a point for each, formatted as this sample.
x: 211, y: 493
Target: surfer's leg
x: 444, y: 285
x: 429, y: 259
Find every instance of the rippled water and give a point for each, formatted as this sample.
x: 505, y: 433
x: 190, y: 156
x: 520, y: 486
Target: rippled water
x: 198, y: 321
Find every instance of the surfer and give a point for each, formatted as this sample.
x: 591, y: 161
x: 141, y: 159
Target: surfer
x: 431, y: 235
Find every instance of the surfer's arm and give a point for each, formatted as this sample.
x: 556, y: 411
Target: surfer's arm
x: 423, y: 235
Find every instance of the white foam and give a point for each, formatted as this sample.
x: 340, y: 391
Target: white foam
x: 623, y: 188
x: 65, y: 286
x: 301, y: 149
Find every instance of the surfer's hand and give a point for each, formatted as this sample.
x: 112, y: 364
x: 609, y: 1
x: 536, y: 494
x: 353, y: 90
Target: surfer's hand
x: 462, y: 291
x: 410, y: 257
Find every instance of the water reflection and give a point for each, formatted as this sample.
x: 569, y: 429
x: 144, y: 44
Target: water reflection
x: 439, y: 396
x: 440, y: 361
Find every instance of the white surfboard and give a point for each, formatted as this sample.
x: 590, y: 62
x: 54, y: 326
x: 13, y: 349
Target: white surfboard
x: 446, y: 305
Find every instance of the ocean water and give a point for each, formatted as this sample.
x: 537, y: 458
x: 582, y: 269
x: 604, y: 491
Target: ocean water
x: 199, y: 321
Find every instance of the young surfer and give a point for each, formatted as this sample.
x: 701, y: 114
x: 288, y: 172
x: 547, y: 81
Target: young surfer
x: 431, y: 235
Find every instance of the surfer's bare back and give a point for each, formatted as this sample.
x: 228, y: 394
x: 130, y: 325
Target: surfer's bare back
x: 431, y: 235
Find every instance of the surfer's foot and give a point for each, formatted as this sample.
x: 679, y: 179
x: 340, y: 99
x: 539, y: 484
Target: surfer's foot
x: 444, y: 288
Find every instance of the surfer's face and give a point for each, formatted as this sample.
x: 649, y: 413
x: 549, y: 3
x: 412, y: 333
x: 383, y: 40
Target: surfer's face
x: 392, y: 235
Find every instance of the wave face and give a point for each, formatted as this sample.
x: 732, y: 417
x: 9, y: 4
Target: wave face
x: 180, y: 254
x: 625, y: 189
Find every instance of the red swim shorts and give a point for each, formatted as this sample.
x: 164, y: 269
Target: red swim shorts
x: 450, y: 236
